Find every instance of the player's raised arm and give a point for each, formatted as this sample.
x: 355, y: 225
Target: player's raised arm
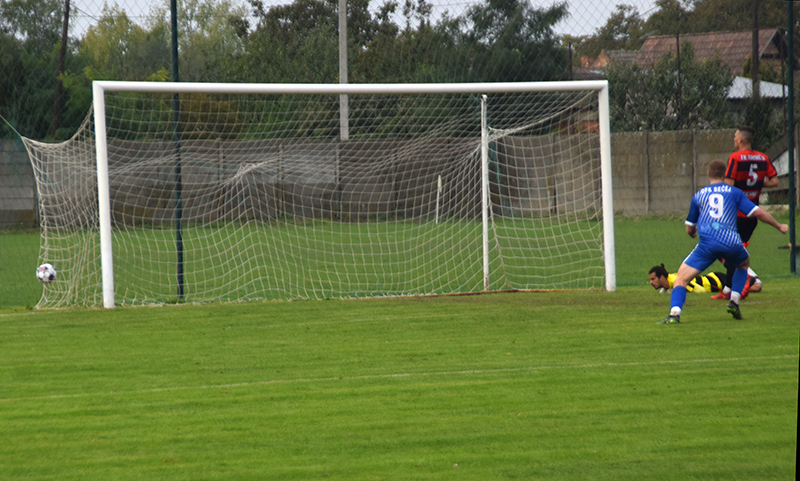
x: 765, y: 216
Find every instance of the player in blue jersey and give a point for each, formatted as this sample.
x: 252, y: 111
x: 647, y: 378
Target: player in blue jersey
x: 712, y: 216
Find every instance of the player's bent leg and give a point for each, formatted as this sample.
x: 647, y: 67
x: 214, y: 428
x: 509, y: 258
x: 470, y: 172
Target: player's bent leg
x: 739, y: 279
x: 753, y: 284
x: 696, y: 262
x: 746, y: 226
x: 725, y: 292
x: 685, y: 274
x: 738, y: 283
x: 745, y: 291
x: 678, y: 296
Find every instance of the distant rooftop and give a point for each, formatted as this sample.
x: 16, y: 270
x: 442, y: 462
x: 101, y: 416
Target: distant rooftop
x: 742, y: 88
x: 733, y: 48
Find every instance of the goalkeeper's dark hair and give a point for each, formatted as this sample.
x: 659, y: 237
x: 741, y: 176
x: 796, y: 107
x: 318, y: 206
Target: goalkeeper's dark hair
x: 659, y: 271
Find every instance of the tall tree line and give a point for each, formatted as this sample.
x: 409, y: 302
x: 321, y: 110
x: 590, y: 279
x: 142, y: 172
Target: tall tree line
x: 393, y: 41
x: 497, y: 40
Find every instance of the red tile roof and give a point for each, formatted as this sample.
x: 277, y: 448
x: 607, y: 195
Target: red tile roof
x: 732, y: 47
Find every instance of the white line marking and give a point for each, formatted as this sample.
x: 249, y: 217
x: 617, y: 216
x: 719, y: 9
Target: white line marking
x: 398, y: 375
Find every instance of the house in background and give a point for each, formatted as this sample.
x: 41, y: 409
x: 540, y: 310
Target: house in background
x: 594, y: 68
x: 736, y: 49
x: 607, y: 57
x: 742, y: 90
x: 733, y: 48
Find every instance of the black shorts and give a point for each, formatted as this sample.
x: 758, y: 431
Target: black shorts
x: 746, y: 226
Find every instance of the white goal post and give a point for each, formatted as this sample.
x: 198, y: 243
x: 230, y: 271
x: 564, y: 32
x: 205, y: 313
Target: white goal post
x: 539, y: 175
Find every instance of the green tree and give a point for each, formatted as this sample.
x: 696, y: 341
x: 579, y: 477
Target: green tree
x: 725, y: 15
x: 29, y: 44
x: 11, y: 65
x: 664, y: 98
x: 498, y: 40
x: 376, y: 62
x: 513, y: 41
x: 671, y: 17
x: 210, y: 37
x: 417, y: 50
x: 769, y: 125
x: 299, y: 42
x: 119, y: 49
x: 36, y: 22
x: 292, y: 43
x: 623, y: 30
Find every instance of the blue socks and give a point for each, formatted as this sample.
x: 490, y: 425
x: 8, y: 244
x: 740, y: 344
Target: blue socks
x: 678, y: 297
x: 738, y: 282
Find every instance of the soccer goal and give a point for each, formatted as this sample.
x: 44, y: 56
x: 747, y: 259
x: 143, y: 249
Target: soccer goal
x: 192, y: 192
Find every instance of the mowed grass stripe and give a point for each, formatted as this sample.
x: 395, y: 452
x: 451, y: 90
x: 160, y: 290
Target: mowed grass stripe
x: 410, y: 374
x: 654, y: 424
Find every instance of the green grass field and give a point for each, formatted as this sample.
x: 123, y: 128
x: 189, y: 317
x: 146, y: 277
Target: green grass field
x: 506, y: 386
x: 557, y: 385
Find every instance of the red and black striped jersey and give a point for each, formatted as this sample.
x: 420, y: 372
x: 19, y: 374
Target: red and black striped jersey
x: 749, y: 169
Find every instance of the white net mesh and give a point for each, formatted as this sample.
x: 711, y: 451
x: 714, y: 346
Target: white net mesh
x: 260, y: 199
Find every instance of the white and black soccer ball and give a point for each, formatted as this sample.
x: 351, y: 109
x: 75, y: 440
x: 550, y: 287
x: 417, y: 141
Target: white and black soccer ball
x: 46, y: 273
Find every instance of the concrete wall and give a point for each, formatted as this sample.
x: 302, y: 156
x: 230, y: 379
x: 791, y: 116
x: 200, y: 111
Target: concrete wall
x: 654, y: 173
x: 658, y: 172
x: 17, y: 186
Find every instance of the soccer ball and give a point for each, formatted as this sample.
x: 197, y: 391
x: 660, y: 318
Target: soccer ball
x: 46, y: 273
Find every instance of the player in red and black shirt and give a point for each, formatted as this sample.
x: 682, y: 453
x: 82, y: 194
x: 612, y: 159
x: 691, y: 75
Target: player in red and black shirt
x: 750, y: 171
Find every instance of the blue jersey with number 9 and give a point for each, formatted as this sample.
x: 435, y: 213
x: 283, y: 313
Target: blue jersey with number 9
x: 713, y: 211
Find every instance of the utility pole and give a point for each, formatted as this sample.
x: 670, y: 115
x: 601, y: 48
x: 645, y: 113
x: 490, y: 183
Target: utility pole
x: 61, y: 67
x: 754, y: 74
x: 680, y: 86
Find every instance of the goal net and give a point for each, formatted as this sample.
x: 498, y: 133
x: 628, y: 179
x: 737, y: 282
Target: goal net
x: 180, y: 192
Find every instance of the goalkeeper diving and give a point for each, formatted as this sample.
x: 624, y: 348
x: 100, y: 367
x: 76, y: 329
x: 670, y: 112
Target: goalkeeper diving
x: 663, y: 281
